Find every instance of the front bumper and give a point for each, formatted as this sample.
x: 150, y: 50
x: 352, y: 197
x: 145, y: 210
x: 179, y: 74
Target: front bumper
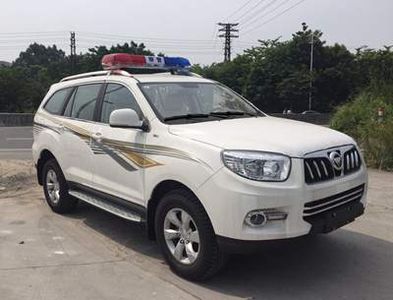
x: 228, y: 198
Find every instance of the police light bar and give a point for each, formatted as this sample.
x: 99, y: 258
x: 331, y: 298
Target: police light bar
x: 118, y: 61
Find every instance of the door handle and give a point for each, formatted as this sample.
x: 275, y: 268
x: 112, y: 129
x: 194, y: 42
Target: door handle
x: 97, y: 136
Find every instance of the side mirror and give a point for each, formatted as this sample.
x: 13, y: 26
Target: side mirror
x: 126, y: 118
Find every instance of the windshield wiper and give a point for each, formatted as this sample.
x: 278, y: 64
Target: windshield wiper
x: 217, y: 114
x: 231, y: 113
x: 187, y: 116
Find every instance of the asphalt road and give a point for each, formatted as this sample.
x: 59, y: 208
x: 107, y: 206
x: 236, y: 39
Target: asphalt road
x: 91, y: 254
x: 15, y: 142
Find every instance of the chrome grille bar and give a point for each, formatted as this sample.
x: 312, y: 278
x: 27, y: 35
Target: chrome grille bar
x: 324, y: 168
x: 333, y: 206
x: 317, y: 168
x: 309, y: 170
x: 324, y: 204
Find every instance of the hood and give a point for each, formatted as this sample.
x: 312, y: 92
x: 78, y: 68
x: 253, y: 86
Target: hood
x: 270, y: 134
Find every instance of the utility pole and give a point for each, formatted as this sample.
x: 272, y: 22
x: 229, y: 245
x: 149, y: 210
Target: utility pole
x: 73, y: 51
x: 311, y: 67
x: 228, y: 29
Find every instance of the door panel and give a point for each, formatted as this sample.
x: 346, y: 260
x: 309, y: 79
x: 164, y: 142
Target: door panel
x: 118, y: 161
x: 78, y: 153
x: 77, y: 129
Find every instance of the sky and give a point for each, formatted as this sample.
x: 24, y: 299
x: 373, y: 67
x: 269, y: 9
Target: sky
x: 189, y: 28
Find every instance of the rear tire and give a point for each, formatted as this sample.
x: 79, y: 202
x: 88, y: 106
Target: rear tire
x: 186, y: 236
x: 56, y: 189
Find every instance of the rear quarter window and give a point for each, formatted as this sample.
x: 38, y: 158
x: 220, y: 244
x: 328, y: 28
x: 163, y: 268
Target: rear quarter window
x: 55, y: 104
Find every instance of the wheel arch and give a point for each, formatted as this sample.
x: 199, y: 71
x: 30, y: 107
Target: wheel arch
x: 158, y: 192
x: 45, y: 155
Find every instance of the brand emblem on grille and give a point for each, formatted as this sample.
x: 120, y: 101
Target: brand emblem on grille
x: 336, y: 160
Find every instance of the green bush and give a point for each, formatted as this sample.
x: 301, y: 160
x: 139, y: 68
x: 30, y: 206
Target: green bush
x: 359, y: 119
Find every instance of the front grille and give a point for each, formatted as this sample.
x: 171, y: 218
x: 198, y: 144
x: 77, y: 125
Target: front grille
x: 320, y: 168
x: 352, y: 161
x: 325, y: 204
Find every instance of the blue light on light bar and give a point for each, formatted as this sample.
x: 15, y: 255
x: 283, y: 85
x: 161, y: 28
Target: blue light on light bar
x: 177, y: 62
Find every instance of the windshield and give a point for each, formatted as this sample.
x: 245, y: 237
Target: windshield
x: 196, y: 102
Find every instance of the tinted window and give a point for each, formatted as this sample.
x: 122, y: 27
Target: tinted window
x: 117, y: 97
x: 56, y: 102
x: 84, y: 101
x: 67, y: 111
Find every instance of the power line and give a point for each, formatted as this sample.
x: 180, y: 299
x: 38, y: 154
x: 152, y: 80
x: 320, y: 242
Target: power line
x: 140, y: 38
x: 22, y: 39
x: 275, y: 16
x: 250, y: 9
x: 30, y: 33
x: 261, y: 10
x: 12, y: 47
x: 267, y: 13
x: 238, y: 10
x: 63, y: 40
x: 164, y: 44
x: 22, y: 43
x: 56, y: 37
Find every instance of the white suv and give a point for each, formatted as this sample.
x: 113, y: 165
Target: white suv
x: 204, y: 169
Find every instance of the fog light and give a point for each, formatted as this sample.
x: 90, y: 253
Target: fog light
x: 258, y: 218
x: 255, y: 218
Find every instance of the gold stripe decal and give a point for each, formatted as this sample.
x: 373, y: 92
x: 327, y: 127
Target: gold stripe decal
x: 138, y: 159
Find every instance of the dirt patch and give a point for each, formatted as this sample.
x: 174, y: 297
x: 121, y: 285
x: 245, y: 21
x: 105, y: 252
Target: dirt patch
x: 16, y: 175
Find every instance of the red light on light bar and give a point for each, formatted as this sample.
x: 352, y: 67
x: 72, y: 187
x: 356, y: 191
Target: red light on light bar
x: 122, y: 60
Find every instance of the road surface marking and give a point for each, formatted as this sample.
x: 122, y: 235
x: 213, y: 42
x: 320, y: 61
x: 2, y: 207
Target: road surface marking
x: 19, y: 139
x: 15, y: 150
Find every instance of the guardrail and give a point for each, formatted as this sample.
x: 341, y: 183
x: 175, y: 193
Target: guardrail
x: 16, y: 119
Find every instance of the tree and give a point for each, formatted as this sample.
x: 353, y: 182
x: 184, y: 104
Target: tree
x: 19, y: 92
x: 40, y: 55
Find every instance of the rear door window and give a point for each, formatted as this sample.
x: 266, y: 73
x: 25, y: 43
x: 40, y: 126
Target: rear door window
x: 84, y: 101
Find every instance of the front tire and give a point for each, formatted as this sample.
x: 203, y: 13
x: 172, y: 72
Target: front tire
x: 56, y: 189
x: 186, y: 236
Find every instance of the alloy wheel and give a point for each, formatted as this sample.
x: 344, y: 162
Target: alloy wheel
x: 181, y: 236
x: 53, y: 186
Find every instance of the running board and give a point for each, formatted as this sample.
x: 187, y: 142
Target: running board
x: 113, y: 208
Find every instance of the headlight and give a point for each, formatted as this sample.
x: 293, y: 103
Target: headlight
x: 261, y: 166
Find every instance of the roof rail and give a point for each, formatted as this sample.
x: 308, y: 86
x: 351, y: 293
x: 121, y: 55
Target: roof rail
x: 85, y: 75
x: 122, y: 73
x: 196, y: 75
